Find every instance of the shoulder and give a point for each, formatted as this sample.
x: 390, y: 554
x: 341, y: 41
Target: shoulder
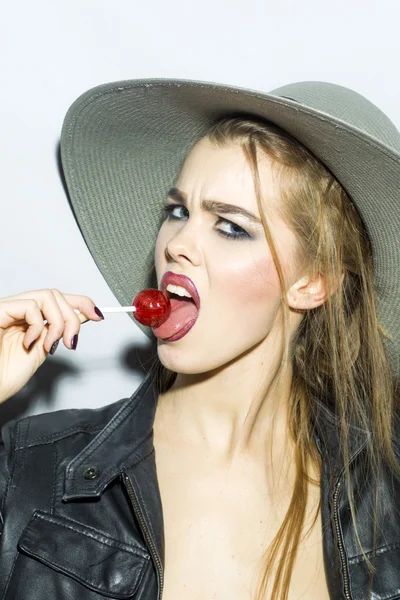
x: 49, y: 427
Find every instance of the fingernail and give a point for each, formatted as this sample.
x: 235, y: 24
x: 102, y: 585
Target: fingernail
x: 74, y: 342
x: 98, y: 312
x: 32, y: 344
x: 54, y: 347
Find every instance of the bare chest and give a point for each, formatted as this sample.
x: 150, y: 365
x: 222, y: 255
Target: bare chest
x: 218, y: 524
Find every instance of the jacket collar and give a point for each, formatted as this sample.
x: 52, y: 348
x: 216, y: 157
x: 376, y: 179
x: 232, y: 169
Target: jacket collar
x: 128, y: 438
x: 326, y: 429
x: 124, y: 441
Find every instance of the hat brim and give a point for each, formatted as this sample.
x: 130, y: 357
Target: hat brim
x: 123, y: 144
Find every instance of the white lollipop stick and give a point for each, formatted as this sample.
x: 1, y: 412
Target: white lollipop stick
x: 114, y: 309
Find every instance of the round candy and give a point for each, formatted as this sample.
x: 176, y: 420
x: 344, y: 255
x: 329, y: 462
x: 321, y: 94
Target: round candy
x: 153, y: 307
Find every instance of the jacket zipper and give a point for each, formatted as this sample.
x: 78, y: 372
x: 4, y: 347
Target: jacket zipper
x: 145, y: 530
x: 339, y: 536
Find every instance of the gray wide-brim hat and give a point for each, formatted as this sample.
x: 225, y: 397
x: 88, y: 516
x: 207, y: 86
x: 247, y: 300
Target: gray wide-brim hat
x: 123, y: 145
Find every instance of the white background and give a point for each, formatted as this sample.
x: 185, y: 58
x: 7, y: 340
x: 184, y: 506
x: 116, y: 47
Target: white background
x: 51, y: 52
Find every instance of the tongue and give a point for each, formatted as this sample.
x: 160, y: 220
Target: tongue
x: 182, y: 311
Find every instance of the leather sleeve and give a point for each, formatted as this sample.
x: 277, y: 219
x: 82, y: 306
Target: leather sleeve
x: 6, y: 444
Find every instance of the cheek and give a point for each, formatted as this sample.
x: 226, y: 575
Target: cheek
x: 252, y: 288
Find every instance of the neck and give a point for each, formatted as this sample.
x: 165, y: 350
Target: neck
x: 238, y: 409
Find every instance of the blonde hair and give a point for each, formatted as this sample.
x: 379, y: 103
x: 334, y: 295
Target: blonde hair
x: 337, y: 353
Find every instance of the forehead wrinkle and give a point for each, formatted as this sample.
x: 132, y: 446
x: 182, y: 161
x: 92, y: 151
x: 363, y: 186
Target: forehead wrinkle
x: 215, y: 206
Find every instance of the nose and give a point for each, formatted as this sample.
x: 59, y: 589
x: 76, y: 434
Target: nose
x: 184, y: 245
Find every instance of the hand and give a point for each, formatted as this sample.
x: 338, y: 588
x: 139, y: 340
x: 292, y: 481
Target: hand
x: 22, y: 321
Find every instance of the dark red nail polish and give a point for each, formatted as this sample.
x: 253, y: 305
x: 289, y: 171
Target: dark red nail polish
x: 98, y: 312
x: 31, y: 345
x: 74, y: 342
x: 54, y: 347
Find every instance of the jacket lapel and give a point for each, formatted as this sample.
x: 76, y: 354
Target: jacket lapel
x: 327, y: 438
x: 125, y: 440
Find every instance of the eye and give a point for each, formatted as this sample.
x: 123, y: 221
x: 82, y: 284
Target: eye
x: 238, y: 232
x: 168, y: 210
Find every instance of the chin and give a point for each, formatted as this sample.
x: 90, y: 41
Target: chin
x: 173, y: 360
x: 198, y: 359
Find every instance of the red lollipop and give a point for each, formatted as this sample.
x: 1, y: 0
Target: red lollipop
x: 153, y: 307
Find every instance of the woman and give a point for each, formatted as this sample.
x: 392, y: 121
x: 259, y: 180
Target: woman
x: 259, y: 457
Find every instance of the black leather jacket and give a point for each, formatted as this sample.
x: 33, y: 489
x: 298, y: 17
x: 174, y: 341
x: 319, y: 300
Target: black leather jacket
x: 81, y: 515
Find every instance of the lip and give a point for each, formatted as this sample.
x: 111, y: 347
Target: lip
x: 181, y: 333
x: 175, y: 279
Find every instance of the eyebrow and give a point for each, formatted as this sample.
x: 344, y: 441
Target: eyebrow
x: 214, y: 206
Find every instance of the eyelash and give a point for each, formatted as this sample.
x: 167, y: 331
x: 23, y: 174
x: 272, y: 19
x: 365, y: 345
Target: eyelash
x: 168, y: 208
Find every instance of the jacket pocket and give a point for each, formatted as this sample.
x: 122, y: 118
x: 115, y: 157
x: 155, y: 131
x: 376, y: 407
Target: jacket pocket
x: 102, y: 564
x: 386, y: 582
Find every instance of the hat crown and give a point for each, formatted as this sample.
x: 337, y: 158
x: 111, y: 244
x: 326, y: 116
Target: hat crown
x: 345, y: 105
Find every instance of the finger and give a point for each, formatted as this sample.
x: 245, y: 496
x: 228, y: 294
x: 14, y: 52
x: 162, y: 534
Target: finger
x: 56, y: 312
x: 83, y: 318
x: 83, y: 303
x: 24, y: 311
x: 72, y: 320
x: 71, y: 302
x: 55, y: 316
x: 85, y: 306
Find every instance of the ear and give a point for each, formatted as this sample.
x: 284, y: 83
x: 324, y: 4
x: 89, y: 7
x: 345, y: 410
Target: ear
x: 308, y: 292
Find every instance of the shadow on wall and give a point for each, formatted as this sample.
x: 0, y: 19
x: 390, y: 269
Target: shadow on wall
x: 43, y: 384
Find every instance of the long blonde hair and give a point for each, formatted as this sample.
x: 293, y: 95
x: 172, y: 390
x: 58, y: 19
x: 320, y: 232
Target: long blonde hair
x: 337, y: 352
